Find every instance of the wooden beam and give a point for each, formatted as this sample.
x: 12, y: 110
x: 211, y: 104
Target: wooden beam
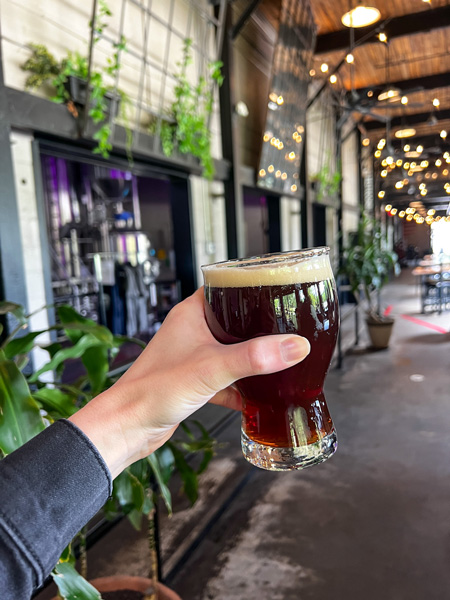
x: 419, y: 22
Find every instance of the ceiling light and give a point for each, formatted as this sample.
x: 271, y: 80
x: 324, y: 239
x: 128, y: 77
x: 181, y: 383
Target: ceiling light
x: 350, y: 58
x: 361, y: 16
x: 436, y: 102
x: 404, y: 100
x: 382, y: 37
x: 333, y: 78
x: 324, y: 67
x: 443, y: 134
x: 389, y: 93
x: 404, y: 133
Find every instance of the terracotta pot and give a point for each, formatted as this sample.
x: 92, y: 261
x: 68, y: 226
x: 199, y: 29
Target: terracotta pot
x: 128, y: 582
x: 380, y: 333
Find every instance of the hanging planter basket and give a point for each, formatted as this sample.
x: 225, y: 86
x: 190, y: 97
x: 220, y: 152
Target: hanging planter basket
x: 77, y: 88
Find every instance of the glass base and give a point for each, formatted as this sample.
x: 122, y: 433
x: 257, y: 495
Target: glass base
x: 288, y: 459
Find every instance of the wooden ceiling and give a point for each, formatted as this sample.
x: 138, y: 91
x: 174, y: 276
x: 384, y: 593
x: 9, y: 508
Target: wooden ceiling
x: 416, y: 59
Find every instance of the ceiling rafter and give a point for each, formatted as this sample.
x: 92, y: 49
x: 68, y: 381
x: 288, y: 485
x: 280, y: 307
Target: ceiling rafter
x: 429, y: 82
x: 409, y: 119
x: 420, y: 22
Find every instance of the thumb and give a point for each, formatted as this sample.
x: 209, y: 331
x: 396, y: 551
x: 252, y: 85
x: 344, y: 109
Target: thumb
x: 259, y: 356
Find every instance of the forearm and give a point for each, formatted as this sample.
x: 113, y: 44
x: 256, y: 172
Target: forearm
x: 50, y: 489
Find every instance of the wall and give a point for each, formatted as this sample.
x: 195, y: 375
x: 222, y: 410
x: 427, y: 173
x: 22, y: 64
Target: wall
x: 30, y: 241
x: 63, y: 26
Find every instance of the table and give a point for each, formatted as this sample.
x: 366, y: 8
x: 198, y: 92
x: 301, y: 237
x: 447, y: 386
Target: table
x: 434, y: 285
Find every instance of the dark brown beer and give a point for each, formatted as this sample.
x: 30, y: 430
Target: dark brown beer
x: 285, y: 409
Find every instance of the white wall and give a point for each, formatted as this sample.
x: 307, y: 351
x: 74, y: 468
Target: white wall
x: 30, y: 240
x: 208, y: 214
x: 64, y: 25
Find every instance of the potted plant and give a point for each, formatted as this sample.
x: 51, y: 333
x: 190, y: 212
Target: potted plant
x: 68, y: 79
x: 27, y: 405
x: 367, y: 263
x: 186, y: 128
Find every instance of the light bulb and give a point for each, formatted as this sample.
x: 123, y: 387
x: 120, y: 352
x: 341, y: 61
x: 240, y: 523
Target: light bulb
x: 333, y: 78
x: 350, y: 58
x: 436, y: 102
x: 324, y: 67
x: 382, y: 37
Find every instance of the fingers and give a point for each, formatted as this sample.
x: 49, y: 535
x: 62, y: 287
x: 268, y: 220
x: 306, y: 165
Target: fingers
x: 259, y: 356
x: 229, y: 398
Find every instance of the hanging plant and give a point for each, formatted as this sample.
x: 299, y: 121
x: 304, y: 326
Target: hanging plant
x: 69, y: 77
x: 188, y: 126
x: 327, y: 180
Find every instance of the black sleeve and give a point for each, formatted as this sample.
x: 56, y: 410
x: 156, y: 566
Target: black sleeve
x: 49, y: 489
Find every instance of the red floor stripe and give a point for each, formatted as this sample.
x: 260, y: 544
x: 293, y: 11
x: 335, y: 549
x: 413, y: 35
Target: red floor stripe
x: 424, y: 324
x: 388, y: 310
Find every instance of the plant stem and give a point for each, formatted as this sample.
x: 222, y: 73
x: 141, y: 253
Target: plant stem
x: 153, y: 555
x: 83, y: 552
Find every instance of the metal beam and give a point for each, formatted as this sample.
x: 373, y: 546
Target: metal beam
x: 429, y: 82
x: 245, y: 16
x: 419, y: 22
x: 411, y: 119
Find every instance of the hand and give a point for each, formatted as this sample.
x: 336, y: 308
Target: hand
x: 182, y: 368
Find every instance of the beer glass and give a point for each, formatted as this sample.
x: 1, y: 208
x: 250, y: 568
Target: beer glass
x: 285, y: 419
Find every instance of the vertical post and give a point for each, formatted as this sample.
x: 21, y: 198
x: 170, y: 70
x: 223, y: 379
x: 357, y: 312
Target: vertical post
x: 12, y: 266
x: 304, y: 200
x: 180, y: 201
x: 274, y: 217
x: 232, y: 186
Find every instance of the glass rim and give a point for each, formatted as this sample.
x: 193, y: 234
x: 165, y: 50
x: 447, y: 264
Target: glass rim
x: 270, y: 258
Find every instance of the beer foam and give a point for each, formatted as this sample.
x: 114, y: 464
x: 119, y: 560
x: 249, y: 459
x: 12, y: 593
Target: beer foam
x: 257, y: 272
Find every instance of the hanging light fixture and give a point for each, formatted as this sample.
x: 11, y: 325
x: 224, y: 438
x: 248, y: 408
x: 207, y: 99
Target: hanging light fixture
x: 361, y: 16
x: 390, y: 91
x: 405, y: 133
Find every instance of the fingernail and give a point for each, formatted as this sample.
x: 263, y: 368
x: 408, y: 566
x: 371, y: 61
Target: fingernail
x: 294, y: 349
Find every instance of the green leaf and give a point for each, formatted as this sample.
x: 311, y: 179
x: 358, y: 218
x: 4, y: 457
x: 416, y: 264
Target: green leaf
x: 22, y: 345
x: 76, y: 325
x: 187, y: 474
x: 120, y: 340
x: 71, y: 585
x: 87, y: 341
x: 54, y: 400
x: 166, y: 462
x: 15, y: 309
x: 163, y: 489
x: 129, y: 491
x: 96, y: 361
x: 67, y: 555
x: 20, y: 419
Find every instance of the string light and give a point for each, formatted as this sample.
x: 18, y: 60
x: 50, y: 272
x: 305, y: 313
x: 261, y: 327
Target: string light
x: 401, y: 214
x: 419, y: 148
x: 382, y: 37
x: 365, y: 142
x: 436, y: 102
x: 399, y: 162
x: 404, y: 100
x: 438, y: 162
x: 262, y: 173
x: 381, y: 194
x: 333, y: 78
x: 389, y: 160
x: 388, y: 207
x: 384, y: 173
x: 350, y: 58
x: 312, y: 72
x: 377, y: 153
x: 406, y: 148
x: 393, y: 212
x: 399, y: 185
x: 443, y: 134
x: 324, y: 67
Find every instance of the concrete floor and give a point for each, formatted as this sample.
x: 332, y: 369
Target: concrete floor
x: 373, y: 522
